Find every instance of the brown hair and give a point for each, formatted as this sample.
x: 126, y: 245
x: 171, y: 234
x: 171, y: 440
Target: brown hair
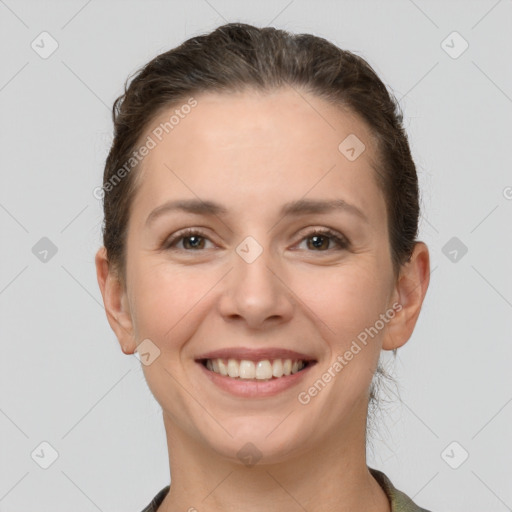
x: 234, y: 57
x: 237, y: 56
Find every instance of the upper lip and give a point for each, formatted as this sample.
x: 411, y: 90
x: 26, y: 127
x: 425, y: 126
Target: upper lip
x: 249, y: 354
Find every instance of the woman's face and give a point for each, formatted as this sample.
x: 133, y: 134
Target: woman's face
x: 261, y: 178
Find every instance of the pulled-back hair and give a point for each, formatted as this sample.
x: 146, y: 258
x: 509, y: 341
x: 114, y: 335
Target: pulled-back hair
x: 237, y: 57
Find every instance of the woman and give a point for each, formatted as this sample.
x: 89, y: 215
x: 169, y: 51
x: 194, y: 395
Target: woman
x: 261, y: 213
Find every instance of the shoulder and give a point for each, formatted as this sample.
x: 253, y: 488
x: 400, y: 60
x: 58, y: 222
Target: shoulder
x: 157, y: 500
x: 400, y: 502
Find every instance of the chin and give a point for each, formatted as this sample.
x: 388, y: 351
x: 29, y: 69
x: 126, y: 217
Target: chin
x: 257, y: 441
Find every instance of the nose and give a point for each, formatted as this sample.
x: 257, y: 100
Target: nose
x: 256, y: 293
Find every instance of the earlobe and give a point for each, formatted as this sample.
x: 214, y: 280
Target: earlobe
x: 410, y: 291
x: 115, y: 302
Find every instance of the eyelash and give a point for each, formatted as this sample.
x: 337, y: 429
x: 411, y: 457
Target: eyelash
x: 342, y: 242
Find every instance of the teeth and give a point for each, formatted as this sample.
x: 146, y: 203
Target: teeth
x: 233, y: 368
x: 247, y: 370
x: 262, y: 370
x: 223, y: 369
x: 277, y: 368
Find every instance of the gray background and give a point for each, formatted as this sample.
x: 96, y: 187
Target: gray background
x: 64, y: 379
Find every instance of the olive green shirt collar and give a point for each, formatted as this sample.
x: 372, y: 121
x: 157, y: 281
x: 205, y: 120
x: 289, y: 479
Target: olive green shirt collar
x: 398, y: 500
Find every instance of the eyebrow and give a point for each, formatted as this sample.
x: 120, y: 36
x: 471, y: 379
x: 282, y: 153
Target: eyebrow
x: 299, y: 207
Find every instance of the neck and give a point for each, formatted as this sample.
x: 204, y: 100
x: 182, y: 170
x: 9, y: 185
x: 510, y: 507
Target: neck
x: 330, y: 478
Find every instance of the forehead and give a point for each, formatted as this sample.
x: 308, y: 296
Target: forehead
x: 279, y: 145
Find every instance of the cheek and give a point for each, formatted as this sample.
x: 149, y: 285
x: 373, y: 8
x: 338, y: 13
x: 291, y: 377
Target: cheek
x: 345, y: 299
x: 167, y: 300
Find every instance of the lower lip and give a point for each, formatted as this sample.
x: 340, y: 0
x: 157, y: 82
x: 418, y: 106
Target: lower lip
x: 248, y: 388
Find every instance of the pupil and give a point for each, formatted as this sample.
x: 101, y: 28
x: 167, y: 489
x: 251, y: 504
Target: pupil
x: 317, y: 241
x: 193, y: 241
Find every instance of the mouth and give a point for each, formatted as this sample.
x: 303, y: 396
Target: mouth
x: 259, y: 370
x: 250, y: 373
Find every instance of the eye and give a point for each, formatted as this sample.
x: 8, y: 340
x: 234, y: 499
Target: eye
x: 321, y: 239
x: 318, y: 240
x: 193, y: 239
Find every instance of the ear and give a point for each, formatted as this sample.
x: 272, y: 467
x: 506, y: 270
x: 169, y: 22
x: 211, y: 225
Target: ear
x: 410, y: 290
x: 116, y: 302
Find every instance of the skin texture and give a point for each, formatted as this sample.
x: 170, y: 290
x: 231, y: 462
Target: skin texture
x: 252, y: 153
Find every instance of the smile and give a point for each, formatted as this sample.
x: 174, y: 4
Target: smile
x: 263, y: 370
x: 254, y: 373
